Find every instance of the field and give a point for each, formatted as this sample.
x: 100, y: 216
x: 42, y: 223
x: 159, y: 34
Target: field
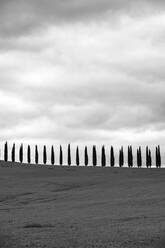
x: 56, y: 207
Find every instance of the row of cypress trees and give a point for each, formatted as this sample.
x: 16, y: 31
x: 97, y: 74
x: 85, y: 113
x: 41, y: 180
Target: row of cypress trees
x: 86, y: 158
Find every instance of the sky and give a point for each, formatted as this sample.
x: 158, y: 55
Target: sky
x: 82, y: 72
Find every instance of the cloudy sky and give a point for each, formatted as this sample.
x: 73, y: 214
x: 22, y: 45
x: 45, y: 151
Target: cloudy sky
x: 82, y: 71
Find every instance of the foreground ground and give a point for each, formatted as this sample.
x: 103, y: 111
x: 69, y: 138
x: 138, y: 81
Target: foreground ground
x: 81, y: 207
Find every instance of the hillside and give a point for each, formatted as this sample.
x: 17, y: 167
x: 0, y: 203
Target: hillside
x: 60, y: 207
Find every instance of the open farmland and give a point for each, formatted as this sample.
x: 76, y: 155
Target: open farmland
x: 61, y: 207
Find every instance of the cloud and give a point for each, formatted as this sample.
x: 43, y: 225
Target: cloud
x: 19, y: 17
x: 80, y: 80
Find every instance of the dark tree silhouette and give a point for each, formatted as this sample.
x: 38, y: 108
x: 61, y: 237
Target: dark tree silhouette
x: 44, y: 155
x: 147, y: 157
x: 139, y: 157
x: 13, y: 154
x: 61, y: 156
x: 121, y: 157
x: 6, y: 152
x: 77, y: 157
x: 158, y: 157
x: 112, y: 157
x: 36, y: 154
x: 103, y: 157
x: 94, y: 156
x: 86, y: 156
x: 21, y: 154
x: 130, y: 156
x: 52, y: 156
x: 69, y: 155
x: 29, y: 154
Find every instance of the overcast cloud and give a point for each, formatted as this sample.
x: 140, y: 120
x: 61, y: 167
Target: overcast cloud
x: 82, y: 71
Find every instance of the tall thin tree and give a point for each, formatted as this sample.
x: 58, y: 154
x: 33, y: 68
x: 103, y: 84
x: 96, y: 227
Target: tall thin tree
x: 29, y: 154
x: 147, y: 157
x: 36, y: 154
x: 139, y: 157
x: 69, y: 155
x: 103, y: 157
x: 52, y: 156
x: 112, y: 157
x: 130, y: 156
x: 21, y: 154
x: 94, y: 156
x: 121, y: 157
x: 158, y: 157
x: 6, y: 152
x: 86, y: 156
x: 13, y: 154
x: 61, y: 156
x: 77, y: 157
x: 44, y: 155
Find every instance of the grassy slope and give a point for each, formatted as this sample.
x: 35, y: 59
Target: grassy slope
x: 81, y: 207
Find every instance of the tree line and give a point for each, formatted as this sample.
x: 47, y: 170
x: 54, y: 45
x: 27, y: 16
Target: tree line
x: 121, y: 158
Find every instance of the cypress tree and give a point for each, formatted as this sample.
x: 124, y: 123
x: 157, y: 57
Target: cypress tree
x: 112, y: 157
x: 147, y: 157
x: 122, y: 152
x: 61, y: 156
x: 36, y: 154
x: 77, y: 157
x: 13, y: 153
x: 130, y: 156
x: 21, y: 154
x: 86, y: 156
x: 52, y: 156
x: 103, y: 157
x: 139, y: 157
x: 94, y: 156
x: 44, y: 155
x: 121, y: 157
x: 158, y: 157
x: 69, y: 155
x: 6, y: 152
x: 29, y: 154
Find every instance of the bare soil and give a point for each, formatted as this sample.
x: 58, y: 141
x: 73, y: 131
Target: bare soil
x: 60, y: 207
